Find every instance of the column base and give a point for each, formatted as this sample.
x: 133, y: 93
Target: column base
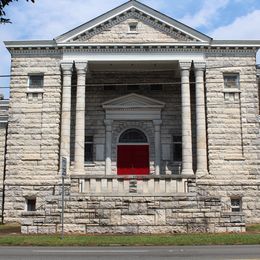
x: 200, y: 173
x: 187, y: 171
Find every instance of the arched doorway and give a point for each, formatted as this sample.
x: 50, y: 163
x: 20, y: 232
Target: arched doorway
x: 133, y: 153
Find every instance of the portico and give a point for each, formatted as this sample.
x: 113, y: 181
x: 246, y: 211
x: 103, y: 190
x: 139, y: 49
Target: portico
x: 134, y: 107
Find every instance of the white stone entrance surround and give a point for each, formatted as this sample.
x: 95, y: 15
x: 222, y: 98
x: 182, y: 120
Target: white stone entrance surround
x: 117, y: 112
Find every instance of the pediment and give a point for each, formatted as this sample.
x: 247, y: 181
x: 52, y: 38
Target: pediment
x: 133, y: 101
x: 112, y: 27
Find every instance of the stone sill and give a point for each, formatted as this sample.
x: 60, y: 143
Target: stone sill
x: 34, y: 90
x: 33, y: 213
x: 227, y: 214
x: 131, y: 177
x: 132, y: 33
x: 232, y: 90
x: 232, y: 158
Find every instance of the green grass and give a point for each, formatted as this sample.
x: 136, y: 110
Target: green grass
x: 108, y: 240
x: 10, y: 236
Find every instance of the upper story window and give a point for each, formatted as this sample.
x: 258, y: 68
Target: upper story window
x: 231, y: 80
x: 35, y: 81
x: 89, y: 145
x: 132, y: 27
x: 177, y: 148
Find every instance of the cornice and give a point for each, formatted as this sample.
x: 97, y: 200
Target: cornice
x: 130, y: 48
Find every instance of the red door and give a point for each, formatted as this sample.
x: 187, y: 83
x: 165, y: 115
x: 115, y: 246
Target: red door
x: 132, y: 159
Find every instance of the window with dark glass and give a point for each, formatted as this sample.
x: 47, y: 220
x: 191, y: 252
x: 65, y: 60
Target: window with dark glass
x: 89, y: 144
x: 132, y: 27
x: 133, y: 136
x: 177, y: 148
x: 36, y: 81
x: 231, y: 80
x: 31, y: 204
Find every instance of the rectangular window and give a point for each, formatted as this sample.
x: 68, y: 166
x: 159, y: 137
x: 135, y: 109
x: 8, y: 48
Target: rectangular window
x: 89, y: 144
x: 132, y: 27
x: 31, y: 204
x: 109, y: 88
x: 231, y: 80
x: 236, y: 204
x: 36, y: 81
x: 177, y: 148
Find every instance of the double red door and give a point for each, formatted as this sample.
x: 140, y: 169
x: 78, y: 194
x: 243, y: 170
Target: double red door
x: 133, y: 159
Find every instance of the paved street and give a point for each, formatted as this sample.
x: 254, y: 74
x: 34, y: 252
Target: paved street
x: 130, y: 253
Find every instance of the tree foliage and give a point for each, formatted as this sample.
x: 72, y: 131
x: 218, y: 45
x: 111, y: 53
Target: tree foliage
x: 3, y: 4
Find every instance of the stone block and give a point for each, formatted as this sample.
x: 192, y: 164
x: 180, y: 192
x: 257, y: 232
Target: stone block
x: 138, y: 220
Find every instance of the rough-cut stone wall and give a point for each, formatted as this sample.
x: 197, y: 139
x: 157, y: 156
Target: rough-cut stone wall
x: 33, y: 134
x: 134, y: 214
x: 2, y: 155
x: 233, y: 135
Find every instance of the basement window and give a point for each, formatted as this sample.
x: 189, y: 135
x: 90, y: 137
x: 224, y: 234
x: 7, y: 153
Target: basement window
x: 236, y: 204
x: 31, y: 204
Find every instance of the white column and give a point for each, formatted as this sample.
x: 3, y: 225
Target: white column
x: 65, y: 112
x: 108, y: 124
x: 157, y: 141
x: 81, y: 68
x: 186, y: 118
x: 200, y: 120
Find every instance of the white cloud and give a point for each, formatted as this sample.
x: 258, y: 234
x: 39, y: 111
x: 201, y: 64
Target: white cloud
x: 208, y: 12
x: 244, y: 27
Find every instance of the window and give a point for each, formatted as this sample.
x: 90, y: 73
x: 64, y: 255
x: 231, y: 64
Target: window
x: 236, y: 204
x: 36, y: 81
x: 177, y: 148
x: 89, y: 148
x: 231, y: 81
x: 31, y: 204
x: 133, y: 136
x: 132, y: 27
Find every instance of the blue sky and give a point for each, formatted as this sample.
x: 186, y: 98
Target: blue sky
x: 46, y: 19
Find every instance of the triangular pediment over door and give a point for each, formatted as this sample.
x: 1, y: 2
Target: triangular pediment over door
x: 132, y: 22
x: 133, y: 107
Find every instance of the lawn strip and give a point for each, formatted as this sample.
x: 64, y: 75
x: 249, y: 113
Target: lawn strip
x: 138, y: 240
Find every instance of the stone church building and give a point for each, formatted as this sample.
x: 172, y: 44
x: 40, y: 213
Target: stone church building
x: 154, y: 125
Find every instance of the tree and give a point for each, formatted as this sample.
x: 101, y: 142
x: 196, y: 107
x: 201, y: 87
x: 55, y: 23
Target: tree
x: 3, y: 4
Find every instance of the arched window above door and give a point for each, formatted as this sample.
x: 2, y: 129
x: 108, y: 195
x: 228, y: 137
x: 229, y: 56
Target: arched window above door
x: 133, y: 136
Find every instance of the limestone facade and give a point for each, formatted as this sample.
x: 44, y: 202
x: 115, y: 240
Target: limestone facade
x: 158, y: 77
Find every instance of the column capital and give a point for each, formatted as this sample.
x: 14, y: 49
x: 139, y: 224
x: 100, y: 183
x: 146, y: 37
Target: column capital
x: 66, y: 67
x: 185, y: 65
x: 81, y: 67
x: 199, y: 66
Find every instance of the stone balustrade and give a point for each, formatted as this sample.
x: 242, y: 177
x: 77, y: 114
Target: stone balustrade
x: 166, y: 184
